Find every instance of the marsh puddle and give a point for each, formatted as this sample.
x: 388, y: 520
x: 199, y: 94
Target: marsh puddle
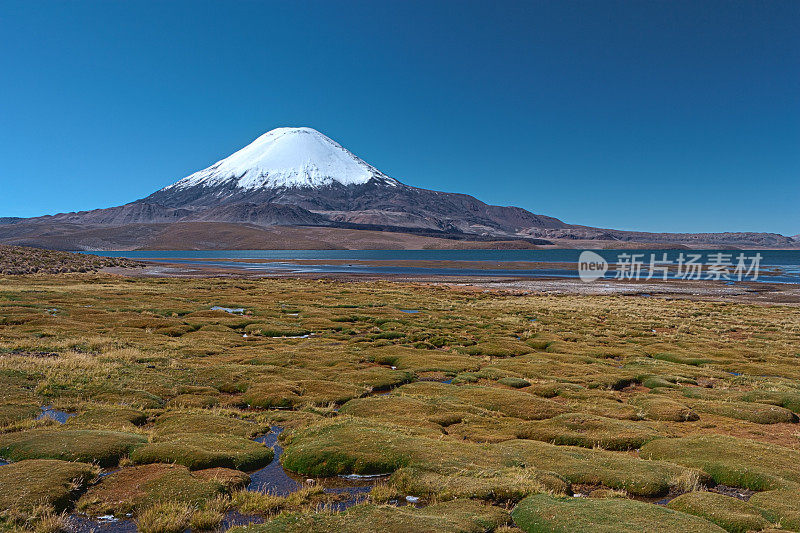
x: 352, y: 496
x: 54, y: 414
x: 734, y: 492
x: 84, y: 524
x: 231, y: 310
x: 409, y: 311
x: 581, y: 490
x: 275, y: 480
x: 235, y: 518
x: 664, y: 501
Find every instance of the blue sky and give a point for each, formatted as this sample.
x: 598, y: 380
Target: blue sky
x: 654, y: 115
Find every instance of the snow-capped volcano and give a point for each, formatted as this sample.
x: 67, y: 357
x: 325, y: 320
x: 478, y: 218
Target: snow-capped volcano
x: 287, y: 157
x: 304, y: 169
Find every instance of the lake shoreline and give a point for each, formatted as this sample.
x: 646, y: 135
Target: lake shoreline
x: 761, y: 293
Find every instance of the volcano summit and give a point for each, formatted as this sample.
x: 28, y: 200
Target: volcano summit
x: 286, y: 157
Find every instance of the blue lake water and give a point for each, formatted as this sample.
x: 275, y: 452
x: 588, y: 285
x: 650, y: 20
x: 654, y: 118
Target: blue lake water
x: 782, y: 266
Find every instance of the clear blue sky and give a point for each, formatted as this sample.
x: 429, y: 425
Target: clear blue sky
x: 655, y: 115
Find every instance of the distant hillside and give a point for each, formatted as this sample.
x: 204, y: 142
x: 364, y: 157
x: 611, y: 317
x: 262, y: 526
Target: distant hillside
x: 23, y: 260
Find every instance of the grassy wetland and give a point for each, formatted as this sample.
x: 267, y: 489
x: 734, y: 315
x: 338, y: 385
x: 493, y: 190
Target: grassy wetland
x: 477, y: 411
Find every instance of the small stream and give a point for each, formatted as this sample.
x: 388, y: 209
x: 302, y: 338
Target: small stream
x: 275, y: 480
x: 271, y: 479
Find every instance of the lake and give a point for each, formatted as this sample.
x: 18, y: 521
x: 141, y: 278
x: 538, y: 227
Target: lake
x: 781, y: 266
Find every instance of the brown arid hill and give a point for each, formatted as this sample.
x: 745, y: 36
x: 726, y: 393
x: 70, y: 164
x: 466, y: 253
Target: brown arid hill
x: 197, y: 235
x: 24, y: 260
x: 233, y: 236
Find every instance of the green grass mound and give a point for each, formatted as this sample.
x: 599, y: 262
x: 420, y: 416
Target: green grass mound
x: 197, y: 401
x: 288, y: 394
x: 118, y: 418
x: 104, y: 448
x: 485, y: 428
x: 503, y: 485
x: 149, y: 323
x: 360, y: 446
x: 551, y: 390
x: 29, y: 483
x: 421, y: 412
x: 16, y: 388
x: 544, y: 513
x: 729, y: 460
x: 11, y: 413
x: 589, y: 431
x: 134, y: 488
x: 378, y: 378
x: 198, y: 451
x: 788, y: 399
x: 273, y: 394
x: 654, y: 382
x: 136, y: 398
x: 187, y: 422
x: 735, y: 516
x: 423, y: 360
x: 462, y: 516
x: 350, y: 446
x: 401, y: 410
x: 322, y: 392
x: 680, y: 359
x: 508, y: 402
x: 517, y: 383
x: 428, y: 466
x: 599, y: 467
x: 783, y: 506
x: 757, y: 413
x: 664, y: 409
x: 498, y: 348
x: 172, y: 517
x: 389, y: 335
x: 265, y: 330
